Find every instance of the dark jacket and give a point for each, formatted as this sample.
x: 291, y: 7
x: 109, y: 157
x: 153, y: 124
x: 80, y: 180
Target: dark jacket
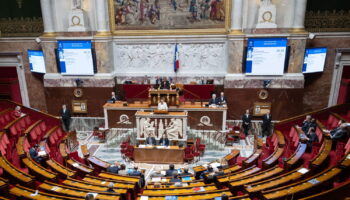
x: 165, y: 85
x: 246, y: 119
x: 266, y: 121
x: 339, y: 134
x: 151, y: 140
x: 221, y: 101
x: 66, y: 114
x: 34, y: 154
x: 169, y: 172
x: 164, y: 142
x: 113, y: 169
x: 213, y: 101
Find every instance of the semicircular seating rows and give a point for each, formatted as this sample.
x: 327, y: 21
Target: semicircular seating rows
x: 279, y: 169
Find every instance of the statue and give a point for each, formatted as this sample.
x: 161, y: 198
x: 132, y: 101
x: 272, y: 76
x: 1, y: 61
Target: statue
x: 148, y: 128
x: 77, y: 4
x: 160, y: 128
x: 174, y: 129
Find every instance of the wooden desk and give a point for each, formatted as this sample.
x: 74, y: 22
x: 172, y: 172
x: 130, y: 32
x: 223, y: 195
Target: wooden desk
x: 105, y: 182
x: 171, y: 97
x: 293, y: 160
x: 183, y: 191
x: 76, y: 192
x: 171, y: 155
x: 27, y: 193
x: 273, y: 158
x: 38, y: 169
x: 322, y: 155
x: 275, y: 181
x: 113, y: 113
x: 256, y: 177
x: 117, y: 177
x: 79, y: 166
x: 232, y: 157
x: 62, y: 170
x: 16, y: 173
x: 98, y: 162
x: 192, y: 196
x: 302, y: 186
x: 241, y: 174
x: 252, y: 159
x: 280, y: 138
x: 232, y: 169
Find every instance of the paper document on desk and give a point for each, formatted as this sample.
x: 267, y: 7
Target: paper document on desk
x: 142, y: 146
x: 314, y: 181
x: 75, y: 165
x: 144, y: 198
x: 156, y: 179
x: 163, y: 173
x: 42, y: 153
x: 170, y: 197
x: 160, y: 147
x: 303, y: 170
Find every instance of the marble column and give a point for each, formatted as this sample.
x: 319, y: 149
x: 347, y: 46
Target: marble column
x: 299, y: 15
x: 102, y: 17
x: 235, y: 54
x: 296, y: 57
x: 46, y: 10
x: 237, y: 13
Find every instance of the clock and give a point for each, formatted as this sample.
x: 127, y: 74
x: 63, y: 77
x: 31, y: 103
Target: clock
x: 78, y: 92
x: 75, y: 20
x: 263, y: 94
x: 267, y: 16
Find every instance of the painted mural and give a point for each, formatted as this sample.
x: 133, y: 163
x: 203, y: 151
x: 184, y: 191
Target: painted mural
x: 168, y: 14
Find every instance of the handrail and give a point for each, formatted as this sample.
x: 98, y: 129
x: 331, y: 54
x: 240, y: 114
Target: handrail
x: 39, y: 111
x: 195, y: 95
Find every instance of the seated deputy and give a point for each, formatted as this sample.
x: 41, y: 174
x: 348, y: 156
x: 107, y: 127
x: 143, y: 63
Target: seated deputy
x: 164, y: 141
x: 186, y: 172
x: 175, y: 178
x: 135, y: 172
x: 171, y: 170
x: 113, y: 168
x: 150, y: 140
x: 33, y: 152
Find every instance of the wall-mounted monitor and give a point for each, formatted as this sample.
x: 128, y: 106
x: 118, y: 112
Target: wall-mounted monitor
x: 314, y: 60
x: 266, y: 56
x: 75, y: 57
x: 36, y: 61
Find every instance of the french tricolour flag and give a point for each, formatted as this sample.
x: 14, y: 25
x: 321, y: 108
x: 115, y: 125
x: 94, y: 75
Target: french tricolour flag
x: 176, y: 59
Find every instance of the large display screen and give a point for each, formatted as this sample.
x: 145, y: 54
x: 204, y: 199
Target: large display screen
x: 266, y: 56
x: 314, y: 60
x: 36, y: 61
x: 75, y: 57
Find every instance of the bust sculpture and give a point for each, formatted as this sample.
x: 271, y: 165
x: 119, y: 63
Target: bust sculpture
x: 76, y: 4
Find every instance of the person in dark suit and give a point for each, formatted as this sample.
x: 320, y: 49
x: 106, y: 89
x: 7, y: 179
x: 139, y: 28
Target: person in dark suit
x: 150, y: 140
x: 222, y: 101
x: 33, y: 152
x: 246, y: 122
x: 113, y: 168
x: 175, y: 177
x: 213, y: 101
x: 158, y: 82
x: 65, y: 115
x: 311, y: 137
x: 266, y: 124
x: 135, y: 172
x: 164, y: 141
x: 165, y: 84
x: 306, y: 124
x: 171, y: 170
x: 339, y: 133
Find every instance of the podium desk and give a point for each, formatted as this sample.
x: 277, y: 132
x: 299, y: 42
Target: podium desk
x: 158, y: 154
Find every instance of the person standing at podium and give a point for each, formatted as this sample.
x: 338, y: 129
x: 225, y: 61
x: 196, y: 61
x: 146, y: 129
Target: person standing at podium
x: 162, y: 105
x: 165, y: 84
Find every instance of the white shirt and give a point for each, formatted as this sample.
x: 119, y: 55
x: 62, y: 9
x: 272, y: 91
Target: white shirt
x: 163, y: 106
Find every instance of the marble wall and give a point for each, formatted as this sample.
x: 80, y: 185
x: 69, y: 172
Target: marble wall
x: 34, y: 81
x: 196, y: 59
x: 318, y: 85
